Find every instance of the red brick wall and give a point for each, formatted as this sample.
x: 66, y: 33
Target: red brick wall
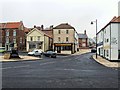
x: 81, y: 42
x: 19, y: 34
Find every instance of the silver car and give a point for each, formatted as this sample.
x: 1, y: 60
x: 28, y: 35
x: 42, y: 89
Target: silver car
x: 35, y: 53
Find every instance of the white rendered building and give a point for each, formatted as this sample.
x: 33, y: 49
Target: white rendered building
x: 108, y: 40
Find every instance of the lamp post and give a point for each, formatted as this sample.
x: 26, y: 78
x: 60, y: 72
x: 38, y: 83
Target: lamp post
x: 92, y: 22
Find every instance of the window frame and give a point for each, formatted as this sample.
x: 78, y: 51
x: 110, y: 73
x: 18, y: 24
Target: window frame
x: 59, y: 39
x: 67, y: 31
x: 14, y: 33
x: 31, y: 38
x: 59, y: 31
x: 67, y: 39
x: 7, y: 33
x: 38, y: 38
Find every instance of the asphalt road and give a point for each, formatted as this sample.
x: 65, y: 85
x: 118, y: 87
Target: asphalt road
x: 79, y: 71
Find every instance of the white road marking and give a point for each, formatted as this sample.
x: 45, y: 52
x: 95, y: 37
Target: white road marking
x: 47, y: 63
x: 16, y: 67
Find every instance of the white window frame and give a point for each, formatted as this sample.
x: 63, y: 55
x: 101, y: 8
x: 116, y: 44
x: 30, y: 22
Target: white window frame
x: 7, y: 33
x: 14, y: 32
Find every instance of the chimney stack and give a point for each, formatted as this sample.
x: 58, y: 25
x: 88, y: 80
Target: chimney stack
x: 34, y: 26
x: 85, y: 32
x: 42, y: 27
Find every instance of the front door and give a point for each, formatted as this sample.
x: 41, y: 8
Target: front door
x: 59, y: 49
x: 99, y: 51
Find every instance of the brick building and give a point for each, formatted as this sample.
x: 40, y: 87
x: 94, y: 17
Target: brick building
x: 83, y: 40
x: 12, y: 34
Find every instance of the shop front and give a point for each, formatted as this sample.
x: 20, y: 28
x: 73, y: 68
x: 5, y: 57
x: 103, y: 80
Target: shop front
x: 64, y: 48
x: 35, y: 45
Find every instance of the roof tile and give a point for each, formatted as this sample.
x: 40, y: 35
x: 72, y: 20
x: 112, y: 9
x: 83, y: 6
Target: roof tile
x: 82, y: 36
x: 13, y: 24
x: 64, y: 26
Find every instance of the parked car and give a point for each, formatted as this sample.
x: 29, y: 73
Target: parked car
x: 2, y: 49
x: 35, y: 53
x: 50, y: 54
x: 93, y: 50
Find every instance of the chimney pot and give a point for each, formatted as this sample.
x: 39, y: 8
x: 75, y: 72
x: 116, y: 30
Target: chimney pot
x: 42, y: 27
x: 34, y: 26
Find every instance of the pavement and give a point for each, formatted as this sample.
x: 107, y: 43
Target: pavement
x: 27, y: 58
x: 105, y: 62
x: 22, y: 58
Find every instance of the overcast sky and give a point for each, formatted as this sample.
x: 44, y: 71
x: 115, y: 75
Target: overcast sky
x: 78, y: 13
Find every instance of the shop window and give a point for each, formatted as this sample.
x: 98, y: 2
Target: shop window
x: 31, y: 46
x: 66, y: 48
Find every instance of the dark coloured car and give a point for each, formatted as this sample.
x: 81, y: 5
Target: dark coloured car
x: 51, y: 54
x: 93, y: 50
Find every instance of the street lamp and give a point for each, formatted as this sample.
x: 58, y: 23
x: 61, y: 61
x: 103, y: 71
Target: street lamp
x: 92, y: 22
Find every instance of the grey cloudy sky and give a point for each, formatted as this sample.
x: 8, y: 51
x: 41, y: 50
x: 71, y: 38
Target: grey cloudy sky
x: 78, y: 13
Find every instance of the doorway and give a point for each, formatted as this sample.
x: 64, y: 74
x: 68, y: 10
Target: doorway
x: 7, y: 47
x: 99, y: 51
x: 59, y: 49
x: 104, y: 53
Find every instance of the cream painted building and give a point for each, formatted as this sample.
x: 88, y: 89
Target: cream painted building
x: 37, y: 39
x: 65, y: 39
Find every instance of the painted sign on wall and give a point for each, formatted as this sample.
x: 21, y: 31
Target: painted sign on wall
x: 114, y: 40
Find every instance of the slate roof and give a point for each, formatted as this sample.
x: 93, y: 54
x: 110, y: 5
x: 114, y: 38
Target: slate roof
x: 64, y: 26
x: 82, y: 36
